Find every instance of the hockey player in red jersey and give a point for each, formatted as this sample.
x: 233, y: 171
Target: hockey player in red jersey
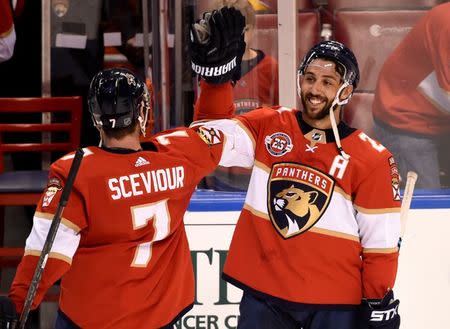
x: 316, y: 244
x: 121, y: 249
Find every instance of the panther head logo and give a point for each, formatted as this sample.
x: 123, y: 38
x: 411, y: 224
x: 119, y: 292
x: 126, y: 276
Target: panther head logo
x: 297, y: 197
x: 298, y: 208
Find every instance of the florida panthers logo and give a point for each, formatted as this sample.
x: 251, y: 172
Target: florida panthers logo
x: 53, y: 186
x: 298, y: 197
x: 300, y: 204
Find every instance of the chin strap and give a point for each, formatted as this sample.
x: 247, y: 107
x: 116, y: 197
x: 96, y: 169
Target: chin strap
x: 142, y: 123
x: 145, y: 108
x: 335, y: 103
x: 100, y: 143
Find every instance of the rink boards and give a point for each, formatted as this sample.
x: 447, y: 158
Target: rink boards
x: 423, y: 280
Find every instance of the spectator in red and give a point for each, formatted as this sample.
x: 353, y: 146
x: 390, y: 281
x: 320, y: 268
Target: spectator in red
x: 412, y: 99
x: 258, y: 84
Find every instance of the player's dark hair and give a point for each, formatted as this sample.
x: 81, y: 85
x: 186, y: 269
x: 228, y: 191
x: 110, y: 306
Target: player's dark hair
x: 119, y: 133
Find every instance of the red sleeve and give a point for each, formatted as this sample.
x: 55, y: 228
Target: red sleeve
x: 201, y: 147
x: 378, y: 205
x: 60, y: 257
x: 378, y: 274
x: 6, y: 19
x: 54, y: 270
x: 214, y: 102
x: 437, y: 41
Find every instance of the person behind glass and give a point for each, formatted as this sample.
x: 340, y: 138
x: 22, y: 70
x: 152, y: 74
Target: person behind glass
x: 411, y: 109
x: 257, y: 86
x: 7, y: 31
x: 121, y: 250
x: 316, y: 243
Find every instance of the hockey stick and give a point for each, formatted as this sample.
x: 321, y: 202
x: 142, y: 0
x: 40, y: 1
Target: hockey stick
x: 50, y: 237
x: 406, y: 202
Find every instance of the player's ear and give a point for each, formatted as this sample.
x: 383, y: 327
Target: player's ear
x: 346, y: 92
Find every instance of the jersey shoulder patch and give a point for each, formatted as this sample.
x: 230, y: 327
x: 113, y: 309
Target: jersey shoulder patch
x: 210, y: 135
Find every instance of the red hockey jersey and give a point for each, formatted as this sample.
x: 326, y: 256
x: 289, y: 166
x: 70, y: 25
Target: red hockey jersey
x: 315, y: 228
x: 121, y: 248
x: 413, y: 90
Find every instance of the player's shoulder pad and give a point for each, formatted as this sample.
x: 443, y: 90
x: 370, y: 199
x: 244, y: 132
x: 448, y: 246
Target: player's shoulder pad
x: 266, y: 114
x: 66, y: 161
x: 367, y: 149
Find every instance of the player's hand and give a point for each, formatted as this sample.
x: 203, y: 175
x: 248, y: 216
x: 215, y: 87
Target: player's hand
x: 217, y: 45
x: 8, y: 315
x: 380, y: 313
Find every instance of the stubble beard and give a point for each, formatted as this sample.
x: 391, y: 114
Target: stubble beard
x: 315, y: 115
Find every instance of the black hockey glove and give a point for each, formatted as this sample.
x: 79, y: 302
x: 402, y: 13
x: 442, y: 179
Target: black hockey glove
x: 8, y: 315
x: 217, y: 45
x: 380, y: 313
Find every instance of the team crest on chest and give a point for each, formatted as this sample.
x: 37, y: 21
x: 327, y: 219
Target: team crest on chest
x: 278, y: 144
x: 298, y: 196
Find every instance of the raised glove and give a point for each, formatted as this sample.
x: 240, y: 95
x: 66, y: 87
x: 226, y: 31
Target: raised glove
x: 8, y: 315
x: 380, y: 313
x: 217, y: 45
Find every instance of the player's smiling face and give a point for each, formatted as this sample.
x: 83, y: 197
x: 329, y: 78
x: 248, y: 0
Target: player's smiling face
x: 319, y: 85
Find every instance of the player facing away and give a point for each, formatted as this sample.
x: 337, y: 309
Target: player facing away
x: 121, y: 250
x: 316, y: 244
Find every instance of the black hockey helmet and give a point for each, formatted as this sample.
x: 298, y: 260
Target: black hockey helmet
x: 116, y: 97
x: 337, y: 52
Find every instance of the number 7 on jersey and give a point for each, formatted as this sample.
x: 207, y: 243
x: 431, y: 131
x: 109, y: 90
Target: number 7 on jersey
x: 141, y: 215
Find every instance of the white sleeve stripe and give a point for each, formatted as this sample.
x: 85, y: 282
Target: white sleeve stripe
x: 66, y: 240
x: 379, y: 231
x: 65, y: 221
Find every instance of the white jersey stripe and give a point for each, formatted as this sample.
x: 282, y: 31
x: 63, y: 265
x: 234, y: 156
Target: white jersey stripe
x: 380, y: 230
x: 349, y: 222
x: 66, y: 241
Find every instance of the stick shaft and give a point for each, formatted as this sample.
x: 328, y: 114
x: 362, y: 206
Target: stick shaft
x: 50, y: 238
x: 406, y: 201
